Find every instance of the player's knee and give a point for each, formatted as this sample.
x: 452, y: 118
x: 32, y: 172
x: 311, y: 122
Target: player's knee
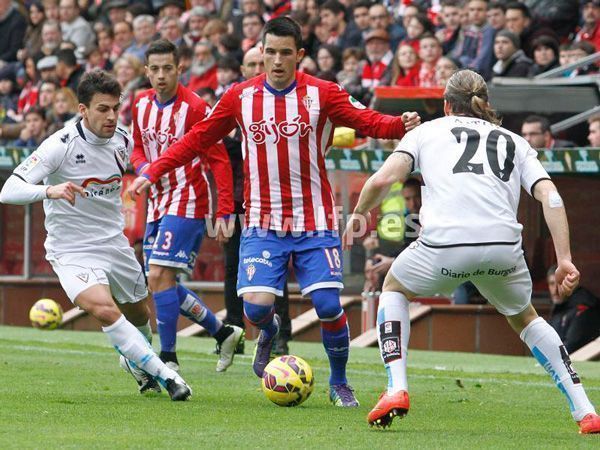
x: 326, y: 302
x: 160, y: 278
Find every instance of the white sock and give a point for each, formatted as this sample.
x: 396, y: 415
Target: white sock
x: 393, y: 331
x: 548, y: 349
x: 146, y: 331
x: 129, y: 342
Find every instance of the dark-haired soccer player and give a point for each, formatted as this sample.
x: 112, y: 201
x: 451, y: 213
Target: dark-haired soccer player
x: 179, y: 204
x: 287, y: 120
x: 85, y: 244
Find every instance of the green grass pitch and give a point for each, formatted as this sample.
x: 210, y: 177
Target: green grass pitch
x: 64, y: 389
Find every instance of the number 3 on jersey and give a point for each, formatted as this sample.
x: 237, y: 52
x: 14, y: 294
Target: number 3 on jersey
x: 464, y: 164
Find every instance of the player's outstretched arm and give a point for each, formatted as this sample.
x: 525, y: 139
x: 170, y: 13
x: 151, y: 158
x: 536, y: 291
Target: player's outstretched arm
x: 397, y: 167
x: 567, y: 275
x: 17, y: 191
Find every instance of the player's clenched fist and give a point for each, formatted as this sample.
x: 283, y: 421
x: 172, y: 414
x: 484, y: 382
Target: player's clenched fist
x: 411, y: 120
x: 139, y: 185
x: 66, y: 190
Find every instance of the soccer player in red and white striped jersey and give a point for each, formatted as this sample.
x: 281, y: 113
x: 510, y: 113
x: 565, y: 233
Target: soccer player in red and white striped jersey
x: 287, y: 119
x: 180, y: 202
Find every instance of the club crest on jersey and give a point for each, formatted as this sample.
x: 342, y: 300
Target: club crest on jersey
x: 285, y: 129
x: 250, y: 271
x: 307, y: 102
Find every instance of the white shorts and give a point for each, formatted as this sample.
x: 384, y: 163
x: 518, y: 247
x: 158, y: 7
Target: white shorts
x: 498, y: 271
x: 109, y: 265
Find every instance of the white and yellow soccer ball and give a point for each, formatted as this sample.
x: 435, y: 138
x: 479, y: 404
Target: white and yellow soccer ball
x: 288, y: 381
x: 45, y: 314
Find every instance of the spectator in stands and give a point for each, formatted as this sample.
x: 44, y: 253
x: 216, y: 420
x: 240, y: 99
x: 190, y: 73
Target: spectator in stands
x: 418, y: 26
x: 208, y: 95
x: 476, y: 51
x: 405, y: 67
x: 35, y: 129
x: 333, y: 18
x: 116, y: 11
x: 512, y: 61
x: 536, y: 131
x: 214, y: 29
x: 67, y: 69
x: 123, y: 37
x: 228, y: 72
x: 106, y: 45
x: 197, y: 20
x: 52, y: 10
x: 12, y: 29
x: 33, y: 35
x: 203, y: 72
x: 246, y: 7
x: 430, y: 51
x: 496, y: 15
x: 594, y: 131
x: 8, y: 98
x: 64, y: 109
x: 380, y: 19
x: 144, y: 30
x: 252, y: 25
x: 379, y: 57
x: 349, y: 76
x: 48, y: 90
x: 74, y: 27
x: 310, y: 42
x: 360, y: 15
x: 129, y: 72
x: 51, y: 39
x: 444, y: 68
x: 590, y: 30
x: 520, y: 22
x: 545, y: 55
x: 46, y: 68
x: 411, y: 10
x: 328, y: 58
x: 576, y: 318
x: 564, y: 54
x: 171, y: 8
x: 397, y: 226
x: 450, y: 33
x: 172, y: 30
x: 29, y: 88
x: 578, y: 51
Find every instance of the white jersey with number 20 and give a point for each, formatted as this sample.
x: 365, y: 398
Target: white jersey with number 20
x: 473, y: 172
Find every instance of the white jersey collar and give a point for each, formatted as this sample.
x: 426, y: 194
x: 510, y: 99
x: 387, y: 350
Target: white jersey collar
x: 89, y: 136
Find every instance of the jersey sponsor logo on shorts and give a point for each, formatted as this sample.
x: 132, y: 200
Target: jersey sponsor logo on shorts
x: 181, y: 254
x: 250, y: 271
x: 256, y: 260
x: 83, y: 277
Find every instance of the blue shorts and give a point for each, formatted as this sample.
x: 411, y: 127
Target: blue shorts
x: 264, y: 260
x: 173, y: 241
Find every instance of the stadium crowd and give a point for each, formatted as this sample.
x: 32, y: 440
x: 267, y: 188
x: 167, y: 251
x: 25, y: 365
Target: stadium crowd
x: 360, y: 44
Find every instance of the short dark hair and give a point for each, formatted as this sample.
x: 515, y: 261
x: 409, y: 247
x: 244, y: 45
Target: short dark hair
x: 38, y: 110
x: 521, y: 7
x: 97, y: 82
x: 228, y: 62
x: 543, y: 121
x: 497, y: 5
x: 67, y: 56
x: 412, y: 182
x: 162, y: 47
x: 551, y: 270
x: 283, y: 26
x: 334, y: 6
x: 362, y: 4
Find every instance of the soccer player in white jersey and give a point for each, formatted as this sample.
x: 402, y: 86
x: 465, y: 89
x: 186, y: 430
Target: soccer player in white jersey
x: 473, y: 171
x: 179, y: 205
x: 81, y: 167
x: 287, y: 119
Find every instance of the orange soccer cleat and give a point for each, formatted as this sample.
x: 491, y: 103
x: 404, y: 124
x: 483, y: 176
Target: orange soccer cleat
x: 590, y: 424
x: 388, y: 407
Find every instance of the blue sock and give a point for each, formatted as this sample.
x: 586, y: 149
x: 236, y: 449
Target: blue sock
x: 334, y: 332
x: 194, y: 309
x: 167, y: 313
x: 263, y: 317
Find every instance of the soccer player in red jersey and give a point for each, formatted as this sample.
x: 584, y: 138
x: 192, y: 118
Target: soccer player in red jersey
x: 287, y: 119
x: 179, y: 203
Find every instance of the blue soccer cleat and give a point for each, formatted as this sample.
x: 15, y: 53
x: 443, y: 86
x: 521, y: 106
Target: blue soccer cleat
x: 262, y: 351
x: 342, y: 395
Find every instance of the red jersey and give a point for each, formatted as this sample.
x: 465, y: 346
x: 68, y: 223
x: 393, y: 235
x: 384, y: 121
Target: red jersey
x: 286, y: 135
x: 183, y: 191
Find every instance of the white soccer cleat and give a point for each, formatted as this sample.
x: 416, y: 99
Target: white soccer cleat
x: 228, y: 347
x: 144, y: 380
x: 172, y: 365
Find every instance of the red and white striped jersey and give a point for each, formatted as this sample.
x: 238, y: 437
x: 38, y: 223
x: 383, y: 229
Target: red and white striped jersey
x: 184, y: 191
x: 286, y: 135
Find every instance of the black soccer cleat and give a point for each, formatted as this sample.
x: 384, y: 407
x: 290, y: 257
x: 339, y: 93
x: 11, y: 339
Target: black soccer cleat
x: 178, y: 389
